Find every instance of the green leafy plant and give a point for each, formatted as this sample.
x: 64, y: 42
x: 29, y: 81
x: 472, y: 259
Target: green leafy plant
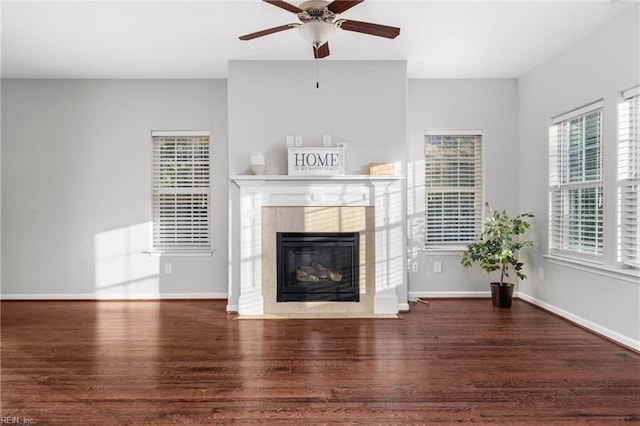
x: 497, y: 248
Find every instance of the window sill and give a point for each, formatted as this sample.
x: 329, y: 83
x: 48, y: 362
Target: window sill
x: 629, y: 275
x: 185, y: 253
x: 445, y: 250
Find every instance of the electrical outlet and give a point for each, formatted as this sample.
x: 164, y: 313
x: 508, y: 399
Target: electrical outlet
x: 298, y: 140
x: 414, y: 266
x: 341, y: 145
x: 168, y: 268
x: 437, y: 267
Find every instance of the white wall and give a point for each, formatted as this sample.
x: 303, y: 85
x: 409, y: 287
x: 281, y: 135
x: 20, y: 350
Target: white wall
x: 0, y: 178
x: 488, y: 105
x: 76, y: 185
x: 598, y: 67
x: 361, y: 103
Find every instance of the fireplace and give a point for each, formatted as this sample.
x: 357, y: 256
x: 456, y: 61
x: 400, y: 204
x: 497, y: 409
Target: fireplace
x: 370, y: 206
x: 318, y: 266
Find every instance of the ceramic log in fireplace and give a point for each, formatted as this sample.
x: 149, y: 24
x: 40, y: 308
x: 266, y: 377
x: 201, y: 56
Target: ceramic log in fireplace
x: 318, y: 266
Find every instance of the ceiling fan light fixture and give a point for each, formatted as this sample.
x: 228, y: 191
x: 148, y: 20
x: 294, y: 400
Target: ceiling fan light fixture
x: 317, y: 32
x: 319, y: 23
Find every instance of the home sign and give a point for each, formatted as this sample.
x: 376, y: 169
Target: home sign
x: 316, y: 161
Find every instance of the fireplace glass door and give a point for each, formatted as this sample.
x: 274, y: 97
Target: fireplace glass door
x: 318, y: 266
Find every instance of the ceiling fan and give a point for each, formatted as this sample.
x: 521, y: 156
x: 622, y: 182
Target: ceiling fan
x: 319, y: 23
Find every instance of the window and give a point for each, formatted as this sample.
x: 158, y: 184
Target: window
x: 181, y: 192
x: 453, y: 187
x: 629, y: 177
x: 575, y: 184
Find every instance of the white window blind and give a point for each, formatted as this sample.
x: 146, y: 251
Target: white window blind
x: 629, y: 177
x: 181, y: 190
x: 453, y: 187
x: 575, y: 184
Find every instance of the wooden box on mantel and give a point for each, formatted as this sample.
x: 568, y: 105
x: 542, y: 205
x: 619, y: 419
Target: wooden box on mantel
x: 382, y: 169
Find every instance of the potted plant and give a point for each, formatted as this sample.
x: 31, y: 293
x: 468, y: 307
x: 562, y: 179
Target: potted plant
x: 498, y: 248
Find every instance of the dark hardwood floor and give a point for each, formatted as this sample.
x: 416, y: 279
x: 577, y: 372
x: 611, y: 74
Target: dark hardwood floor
x: 177, y: 362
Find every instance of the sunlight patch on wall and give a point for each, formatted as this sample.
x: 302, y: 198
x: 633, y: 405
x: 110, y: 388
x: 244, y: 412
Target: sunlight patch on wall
x: 122, y: 270
x: 415, y: 209
x: 390, y: 244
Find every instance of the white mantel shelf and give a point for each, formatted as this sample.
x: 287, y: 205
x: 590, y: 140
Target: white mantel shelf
x: 238, y: 179
x: 309, y: 191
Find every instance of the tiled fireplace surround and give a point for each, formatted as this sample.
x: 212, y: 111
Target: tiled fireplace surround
x: 369, y: 205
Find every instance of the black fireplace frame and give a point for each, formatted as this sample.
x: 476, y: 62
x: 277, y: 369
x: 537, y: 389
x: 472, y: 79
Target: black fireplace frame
x: 346, y: 291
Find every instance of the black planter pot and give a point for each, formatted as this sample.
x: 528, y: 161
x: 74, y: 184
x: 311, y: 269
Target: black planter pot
x: 501, y: 295
x: 494, y: 294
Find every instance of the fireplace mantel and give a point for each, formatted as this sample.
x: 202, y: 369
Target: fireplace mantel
x: 339, y: 178
x: 383, y: 193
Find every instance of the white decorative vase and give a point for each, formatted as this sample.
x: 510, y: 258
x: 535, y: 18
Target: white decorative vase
x: 257, y: 163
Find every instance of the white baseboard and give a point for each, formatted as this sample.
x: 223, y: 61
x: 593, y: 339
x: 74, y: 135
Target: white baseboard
x: 448, y: 294
x: 403, y: 307
x: 92, y: 296
x: 596, y: 328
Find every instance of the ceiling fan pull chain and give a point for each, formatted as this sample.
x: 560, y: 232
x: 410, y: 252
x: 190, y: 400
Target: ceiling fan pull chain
x: 317, y: 73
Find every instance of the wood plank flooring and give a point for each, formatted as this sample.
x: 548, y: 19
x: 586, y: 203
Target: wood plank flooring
x: 188, y: 362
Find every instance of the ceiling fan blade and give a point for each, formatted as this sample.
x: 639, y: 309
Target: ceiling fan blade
x: 369, y: 28
x: 339, y: 6
x: 284, y: 5
x: 321, y: 52
x: 267, y: 31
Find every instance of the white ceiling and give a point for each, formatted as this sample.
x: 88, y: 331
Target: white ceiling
x: 179, y: 39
